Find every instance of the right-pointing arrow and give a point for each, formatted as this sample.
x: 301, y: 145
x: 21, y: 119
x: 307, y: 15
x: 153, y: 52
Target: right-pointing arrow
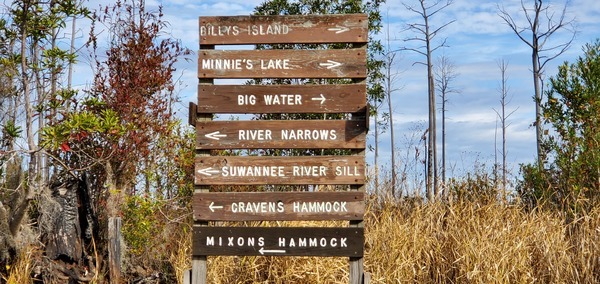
x: 321, y: 98
x: 263, y: 250
x: 330, y: 64
x: 339, y: 29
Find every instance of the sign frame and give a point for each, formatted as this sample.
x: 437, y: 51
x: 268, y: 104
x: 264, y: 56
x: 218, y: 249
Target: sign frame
x: 279, y: 206
x: 206, y: 241
x: 290, y: 170
x: 281, y: 134
x: 282, y: 63
x: 232, y: 30
x: 342, y: 98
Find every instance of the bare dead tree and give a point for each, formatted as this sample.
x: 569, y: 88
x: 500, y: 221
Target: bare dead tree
x: 542, y: 24
x: 379, y: 128
x: 391, y: 78
x: 425, y: 34
x: 503, y: 117
x: 445, y: 74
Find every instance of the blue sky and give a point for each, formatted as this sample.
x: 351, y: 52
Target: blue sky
x: 477, y: 40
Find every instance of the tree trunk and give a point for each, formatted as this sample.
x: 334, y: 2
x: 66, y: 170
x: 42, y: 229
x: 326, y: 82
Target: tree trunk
x: 63, y: 241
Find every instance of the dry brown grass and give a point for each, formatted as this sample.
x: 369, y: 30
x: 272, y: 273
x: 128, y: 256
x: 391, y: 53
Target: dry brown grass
x: 412, y: 242
x: 466, y: 242
x: 20, y: 271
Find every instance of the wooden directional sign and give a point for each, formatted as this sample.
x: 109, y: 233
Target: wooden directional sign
x: 281, y: 98
x: 256, y: 206
x: 258, y: 170
x: 279, y: 134
x: 278, y: 241
x: 282, y: 63
x: 348, y: 28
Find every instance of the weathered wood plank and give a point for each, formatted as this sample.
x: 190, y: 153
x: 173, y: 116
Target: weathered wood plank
x: 257, y: 206
x: 281, y: 98
x: 260, y: 170
x: 281, y: 134
x: 288, y: 241
x: 283, y: 63
x: 345, y: 28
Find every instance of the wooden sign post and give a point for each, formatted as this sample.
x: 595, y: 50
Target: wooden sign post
x: 349, y: 170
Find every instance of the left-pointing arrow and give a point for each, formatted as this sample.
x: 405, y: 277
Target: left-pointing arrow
x: 330, y: 64
x: 208, y: 171
x: 212, y: 206
x: 263, y: 250
x: 215, y: 135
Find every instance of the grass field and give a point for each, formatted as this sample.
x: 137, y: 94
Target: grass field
x: 462, y: 242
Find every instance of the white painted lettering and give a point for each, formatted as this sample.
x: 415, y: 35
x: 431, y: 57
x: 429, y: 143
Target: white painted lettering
x: 315, y: 171
x: 210, y: 30
x: 351, y: 171
x: 319, y: 206
x: 261, y: 241
x: 210, y: 241
x: 281, y: 64
x: 222, y: 64
x: 258, y: 134
x: 257, y: 207
x: 253, y: 171
x: 273, y: 29
x: 307, y: 134
x: 283, y: 99
x: 246, y: 100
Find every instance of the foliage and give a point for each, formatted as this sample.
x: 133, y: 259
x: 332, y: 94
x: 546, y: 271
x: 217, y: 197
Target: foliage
x: 375, y: 49
x: 157, y: 234
x: 474, y: 187
x: 570, y: 180
x: 124, y: 134
x: 140, y: 226
x: 135, y: 80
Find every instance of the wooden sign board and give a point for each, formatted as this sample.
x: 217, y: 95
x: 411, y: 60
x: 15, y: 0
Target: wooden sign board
x: 281, y: 134
x: 278, y: 206
x: 261, y: 170
x: 283, y: 63
x: 274, y: 241
x: 347, y: 28
x: 282, y: 98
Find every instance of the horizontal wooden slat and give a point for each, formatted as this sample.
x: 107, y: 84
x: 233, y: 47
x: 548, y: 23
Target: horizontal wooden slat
x: 323, y: 63
x: 274, y: 241
x: 281, y: 134
x: 259, y: 170
x: 256, y: 206
x: 348, y: 28
x: 281, y: 98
